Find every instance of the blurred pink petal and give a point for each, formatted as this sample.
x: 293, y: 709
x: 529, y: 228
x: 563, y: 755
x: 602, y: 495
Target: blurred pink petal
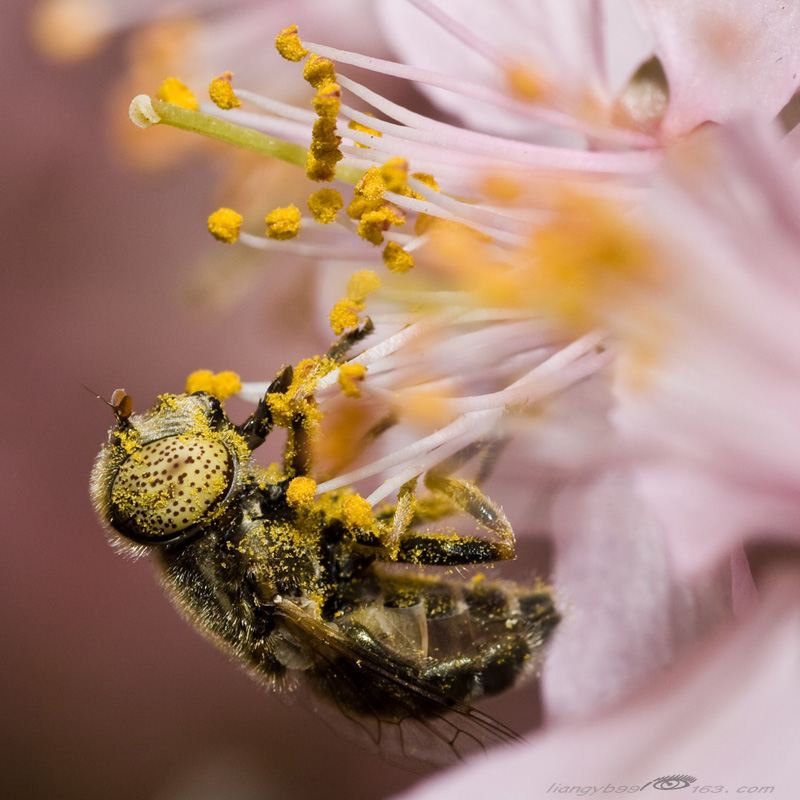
x: 718, y: 427
x: 625, y: 614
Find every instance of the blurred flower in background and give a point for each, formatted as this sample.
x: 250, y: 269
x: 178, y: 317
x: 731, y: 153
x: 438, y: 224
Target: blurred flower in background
x: 576, y: 227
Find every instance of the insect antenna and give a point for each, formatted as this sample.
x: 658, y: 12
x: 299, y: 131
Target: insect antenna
x: 121, y: 403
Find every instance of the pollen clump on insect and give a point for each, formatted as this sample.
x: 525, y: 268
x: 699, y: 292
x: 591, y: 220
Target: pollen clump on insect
x: 357, y: 512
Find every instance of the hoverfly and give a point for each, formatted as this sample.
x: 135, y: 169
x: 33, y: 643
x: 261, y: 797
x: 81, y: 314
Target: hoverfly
x: 296, y: 586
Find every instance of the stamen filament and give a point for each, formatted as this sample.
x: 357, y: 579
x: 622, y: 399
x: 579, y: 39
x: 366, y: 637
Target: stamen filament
x: 307, y: 249
x: 483, y: 93
x: 452, y: 143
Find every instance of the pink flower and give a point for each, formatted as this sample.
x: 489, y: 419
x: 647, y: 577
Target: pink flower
x: 618, y: 269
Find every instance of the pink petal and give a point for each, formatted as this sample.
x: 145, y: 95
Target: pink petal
x: 724, y: 57
x: 625, y: 616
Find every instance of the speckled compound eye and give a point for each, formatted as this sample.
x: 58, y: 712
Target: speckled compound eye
x: 169, y: 485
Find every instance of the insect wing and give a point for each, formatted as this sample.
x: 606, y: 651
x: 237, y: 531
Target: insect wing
x: 383, y: 705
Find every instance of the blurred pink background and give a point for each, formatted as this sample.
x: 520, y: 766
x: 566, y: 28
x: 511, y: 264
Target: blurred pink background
x: 106, y: 692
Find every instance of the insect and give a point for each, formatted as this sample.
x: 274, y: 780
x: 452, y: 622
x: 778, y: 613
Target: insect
x: 321, y: 589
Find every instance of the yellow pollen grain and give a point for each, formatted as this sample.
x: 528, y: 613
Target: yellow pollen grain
x: 357, y: 126
x: 319, y: 70
x: 397, y: 259
x: 288, y: 44
x: 221, y: 92
x: 361, y: 284
x: 174, y: 91
x: 324, y: 204
x: 348, y: 375
x: 328, y: 99
x: 283, y: 223
x: 344, y: 315
x: 224, y: 225
x: 357, y: 512
x: 300, y: 492
x: 525, y: 83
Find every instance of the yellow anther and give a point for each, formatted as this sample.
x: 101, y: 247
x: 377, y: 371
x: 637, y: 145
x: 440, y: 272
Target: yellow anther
x: 220, y: 385
x: 224, y: 224
x: 283, y: 223
x: 374, y: 223
x: 588, y: 261
x: 300, y: 491
x: 395, y: 174
x: 324, y: 204
x: 397, y: 259
x: 324, y: 140
x: 175, y: 91
x: 319, y: 70
x: 502, y: 188
x: 226, y: 384
x: 221, y: 92
x: 361, y: 283
x: 288, y: 44
x: 357, y: 126
x: 372, y: 185
x: 357, y: 513
x: 202, y: 380
x: 525, y: 83
x: 317, y: 170
x: 359, y: 206
x: 427, y: 179
x: 328, y: 99
x: 348, y: 375
x: 344, y: 315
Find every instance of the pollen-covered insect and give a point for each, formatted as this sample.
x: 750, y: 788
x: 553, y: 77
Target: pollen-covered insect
x: 296, y: 585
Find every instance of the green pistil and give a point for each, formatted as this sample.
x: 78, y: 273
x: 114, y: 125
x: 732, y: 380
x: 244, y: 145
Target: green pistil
x: 238, y: 135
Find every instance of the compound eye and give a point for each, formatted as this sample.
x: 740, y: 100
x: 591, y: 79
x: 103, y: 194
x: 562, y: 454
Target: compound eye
x: 168, y: 486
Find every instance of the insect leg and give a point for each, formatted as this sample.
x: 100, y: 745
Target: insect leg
x: 435, y: 548
x: 339, y: 349
x: 258, y: 425
x: 468, y: 497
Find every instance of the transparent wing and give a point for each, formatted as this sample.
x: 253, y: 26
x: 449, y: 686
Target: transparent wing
x: 384, y: 705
